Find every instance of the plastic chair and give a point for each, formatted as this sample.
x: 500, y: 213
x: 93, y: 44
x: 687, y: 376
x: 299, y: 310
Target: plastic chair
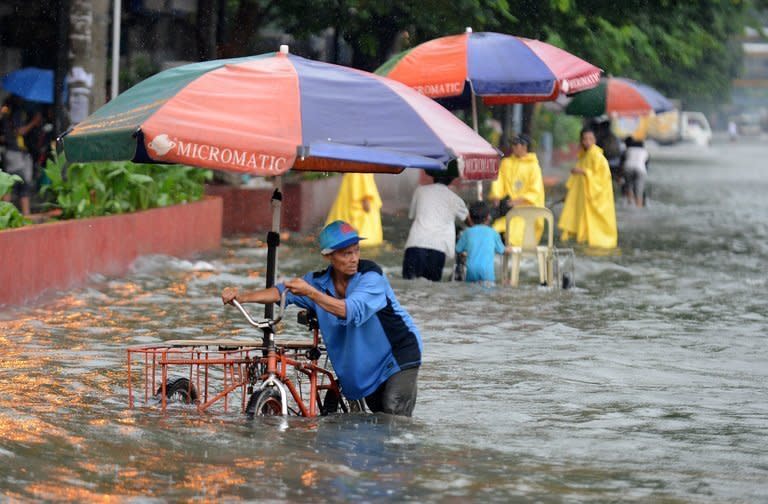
x: 544, y: 253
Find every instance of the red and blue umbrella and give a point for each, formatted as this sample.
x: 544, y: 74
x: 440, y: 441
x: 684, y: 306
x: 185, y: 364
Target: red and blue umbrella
x: 267, y: 114
x: 31, y: 83
x: 497, y: 67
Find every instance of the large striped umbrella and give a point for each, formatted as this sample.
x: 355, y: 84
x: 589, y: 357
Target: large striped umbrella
x: 498, y: 68
x: 618, y: 96
x: 267, y: 114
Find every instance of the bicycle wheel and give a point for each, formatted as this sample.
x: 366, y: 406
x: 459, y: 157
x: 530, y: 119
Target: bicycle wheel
x: 179, y: 389
x: 265, y: 402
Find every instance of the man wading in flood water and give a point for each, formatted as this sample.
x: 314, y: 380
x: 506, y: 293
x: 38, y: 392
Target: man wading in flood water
x: 373, y: 344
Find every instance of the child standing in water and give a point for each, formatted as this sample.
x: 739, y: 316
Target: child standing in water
x: 480, y: 242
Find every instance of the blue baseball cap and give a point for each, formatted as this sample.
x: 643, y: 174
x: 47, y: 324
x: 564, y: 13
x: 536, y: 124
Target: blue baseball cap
x: 337, y: 235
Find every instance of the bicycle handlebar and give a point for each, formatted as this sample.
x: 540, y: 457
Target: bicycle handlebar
x: 262, y: 324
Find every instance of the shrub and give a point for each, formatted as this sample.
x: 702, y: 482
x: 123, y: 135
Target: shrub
x: 108, y: 188
x: 10, y: 217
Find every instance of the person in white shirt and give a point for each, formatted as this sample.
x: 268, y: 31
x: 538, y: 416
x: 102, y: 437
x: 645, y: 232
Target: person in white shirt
x: 432, y: 238
x: 733, y: 130
x: 635, y: 170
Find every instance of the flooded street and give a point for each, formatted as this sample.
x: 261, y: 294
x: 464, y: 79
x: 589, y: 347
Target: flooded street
x: 648, y: 382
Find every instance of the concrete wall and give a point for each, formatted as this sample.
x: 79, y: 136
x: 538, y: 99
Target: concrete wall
x: 396, y: 190
x: 61, y: 255
x: 306, y: 203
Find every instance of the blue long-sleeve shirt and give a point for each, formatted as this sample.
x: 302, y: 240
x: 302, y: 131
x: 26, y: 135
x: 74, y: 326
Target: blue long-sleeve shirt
x: 480, y: 242
x: 377, y: 338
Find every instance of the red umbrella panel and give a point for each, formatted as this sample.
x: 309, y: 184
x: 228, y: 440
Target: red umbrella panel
x: 498, y: 68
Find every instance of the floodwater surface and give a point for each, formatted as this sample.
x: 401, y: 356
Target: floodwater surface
x: 648, y: 382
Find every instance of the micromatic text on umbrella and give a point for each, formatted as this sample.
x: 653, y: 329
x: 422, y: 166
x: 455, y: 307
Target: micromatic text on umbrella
x: 162, y: 146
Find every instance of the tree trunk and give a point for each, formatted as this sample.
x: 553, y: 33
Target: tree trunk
x: 207, y: 11
x: 249, y: 17
x: 386, y: 33
x: 528, y: 110
x: 101, y: 33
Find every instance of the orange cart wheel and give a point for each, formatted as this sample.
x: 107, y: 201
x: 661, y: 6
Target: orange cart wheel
x: 265, y: 402
x: 179, y: 389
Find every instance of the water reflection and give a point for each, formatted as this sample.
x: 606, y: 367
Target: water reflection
x: 645, y: 383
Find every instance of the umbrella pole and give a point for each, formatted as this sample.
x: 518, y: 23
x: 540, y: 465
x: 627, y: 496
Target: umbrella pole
x: 475, y: 127
x: 273, y: 241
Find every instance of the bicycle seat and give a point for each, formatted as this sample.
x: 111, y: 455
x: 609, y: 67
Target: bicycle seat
x: 307, y: 318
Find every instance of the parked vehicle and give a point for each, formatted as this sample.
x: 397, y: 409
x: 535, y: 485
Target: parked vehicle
x: 749, y: 124
x: 675, y: 126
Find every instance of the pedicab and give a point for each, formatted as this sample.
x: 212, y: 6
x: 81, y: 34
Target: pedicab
x: 263, y: 115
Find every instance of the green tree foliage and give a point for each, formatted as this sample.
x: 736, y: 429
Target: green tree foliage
x: 682, y: 48
x: 375, y: 29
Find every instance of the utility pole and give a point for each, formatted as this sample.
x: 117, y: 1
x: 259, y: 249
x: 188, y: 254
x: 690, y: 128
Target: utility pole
x: 60, y: 74
x: 86, y: 79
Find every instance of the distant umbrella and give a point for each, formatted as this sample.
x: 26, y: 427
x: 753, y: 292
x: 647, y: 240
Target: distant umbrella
x: 497, y: 67
x: 616, y: 95
x: 31, y: 83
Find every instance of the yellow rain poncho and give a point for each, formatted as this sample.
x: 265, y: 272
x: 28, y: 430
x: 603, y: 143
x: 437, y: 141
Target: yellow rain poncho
x: 519, y: 177
x: 589, y: 214
x: 349, y: 207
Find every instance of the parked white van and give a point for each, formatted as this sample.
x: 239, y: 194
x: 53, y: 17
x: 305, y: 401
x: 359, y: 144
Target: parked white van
x: 675, y: 126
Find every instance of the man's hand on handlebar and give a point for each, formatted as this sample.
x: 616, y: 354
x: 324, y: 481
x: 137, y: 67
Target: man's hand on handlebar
x: 228, y: 294
x: 299, y: 287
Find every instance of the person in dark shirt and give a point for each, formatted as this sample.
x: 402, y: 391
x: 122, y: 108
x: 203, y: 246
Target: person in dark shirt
x: 14, y: 125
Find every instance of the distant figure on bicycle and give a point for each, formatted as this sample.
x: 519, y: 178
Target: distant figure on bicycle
x: 373, y: 343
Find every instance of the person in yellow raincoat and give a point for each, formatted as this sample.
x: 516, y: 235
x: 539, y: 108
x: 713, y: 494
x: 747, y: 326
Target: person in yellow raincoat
x: 521, y: 184
x: 589, y: 214
x: 358, y: 203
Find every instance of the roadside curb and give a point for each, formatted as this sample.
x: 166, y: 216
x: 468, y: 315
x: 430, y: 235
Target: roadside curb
x: 61, y: 255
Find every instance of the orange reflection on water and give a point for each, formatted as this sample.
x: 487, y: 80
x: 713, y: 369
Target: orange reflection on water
x: 211, y: 481
x: 13, y: 363
x: 52, y: 491
x: 248, y: 463
x: 127, y: 289
x: 26, y: 429
x: 65, y: 302
x: 13, y: 332
x: 178, y: 288
x: 309, y: 477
